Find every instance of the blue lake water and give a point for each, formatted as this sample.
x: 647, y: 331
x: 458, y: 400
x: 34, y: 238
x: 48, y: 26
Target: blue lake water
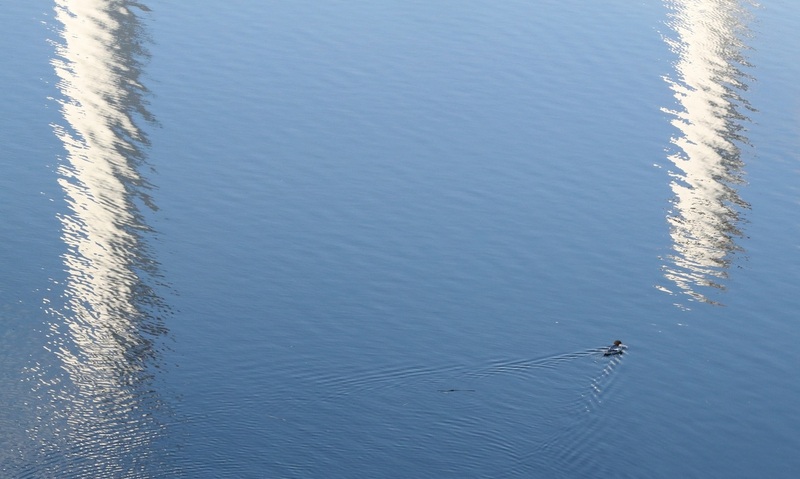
x: 387, y: 239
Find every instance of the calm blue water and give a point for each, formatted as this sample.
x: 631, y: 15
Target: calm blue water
x: 386, y: 239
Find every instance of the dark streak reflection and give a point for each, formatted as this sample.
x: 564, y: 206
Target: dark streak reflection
x: 105, y: 417
x: 708, y: 84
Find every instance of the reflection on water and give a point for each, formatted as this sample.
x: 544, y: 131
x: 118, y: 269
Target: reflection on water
x: 708, y: 84
x: 103, y: 418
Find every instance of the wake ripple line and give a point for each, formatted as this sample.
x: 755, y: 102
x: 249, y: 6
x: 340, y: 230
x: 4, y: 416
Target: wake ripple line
x: 565, y: 450
x: 391, y: 376
x: 526, y: 365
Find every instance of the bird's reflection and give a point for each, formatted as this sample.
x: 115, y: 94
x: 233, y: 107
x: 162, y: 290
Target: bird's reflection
x: 106, y: 412
x: 708, y: 83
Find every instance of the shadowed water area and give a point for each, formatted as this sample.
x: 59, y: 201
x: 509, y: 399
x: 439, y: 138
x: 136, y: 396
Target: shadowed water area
x: 359, y: 239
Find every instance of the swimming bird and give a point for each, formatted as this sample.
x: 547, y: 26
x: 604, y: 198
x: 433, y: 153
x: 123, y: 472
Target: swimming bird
x: 615, y: 349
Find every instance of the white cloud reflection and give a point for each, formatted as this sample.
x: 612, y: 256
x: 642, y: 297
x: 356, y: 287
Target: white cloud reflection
x: 708, y: 84
x: 105, y: 330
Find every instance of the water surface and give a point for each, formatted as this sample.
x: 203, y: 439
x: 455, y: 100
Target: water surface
x: 386, y: 240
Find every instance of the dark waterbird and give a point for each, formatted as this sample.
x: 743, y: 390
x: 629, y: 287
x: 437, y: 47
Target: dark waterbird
x: 615, y: 349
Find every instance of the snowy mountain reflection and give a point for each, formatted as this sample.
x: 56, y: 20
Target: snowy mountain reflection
x: 708, y: 84
x: 105, y: 415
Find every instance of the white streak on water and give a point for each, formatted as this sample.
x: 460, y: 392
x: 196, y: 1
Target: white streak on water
x: 103, y: 417
x: 709, y: 83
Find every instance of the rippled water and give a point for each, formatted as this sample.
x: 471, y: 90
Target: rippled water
x: 710, y: 78
x: 98, y: 414
x: 359, y: 239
